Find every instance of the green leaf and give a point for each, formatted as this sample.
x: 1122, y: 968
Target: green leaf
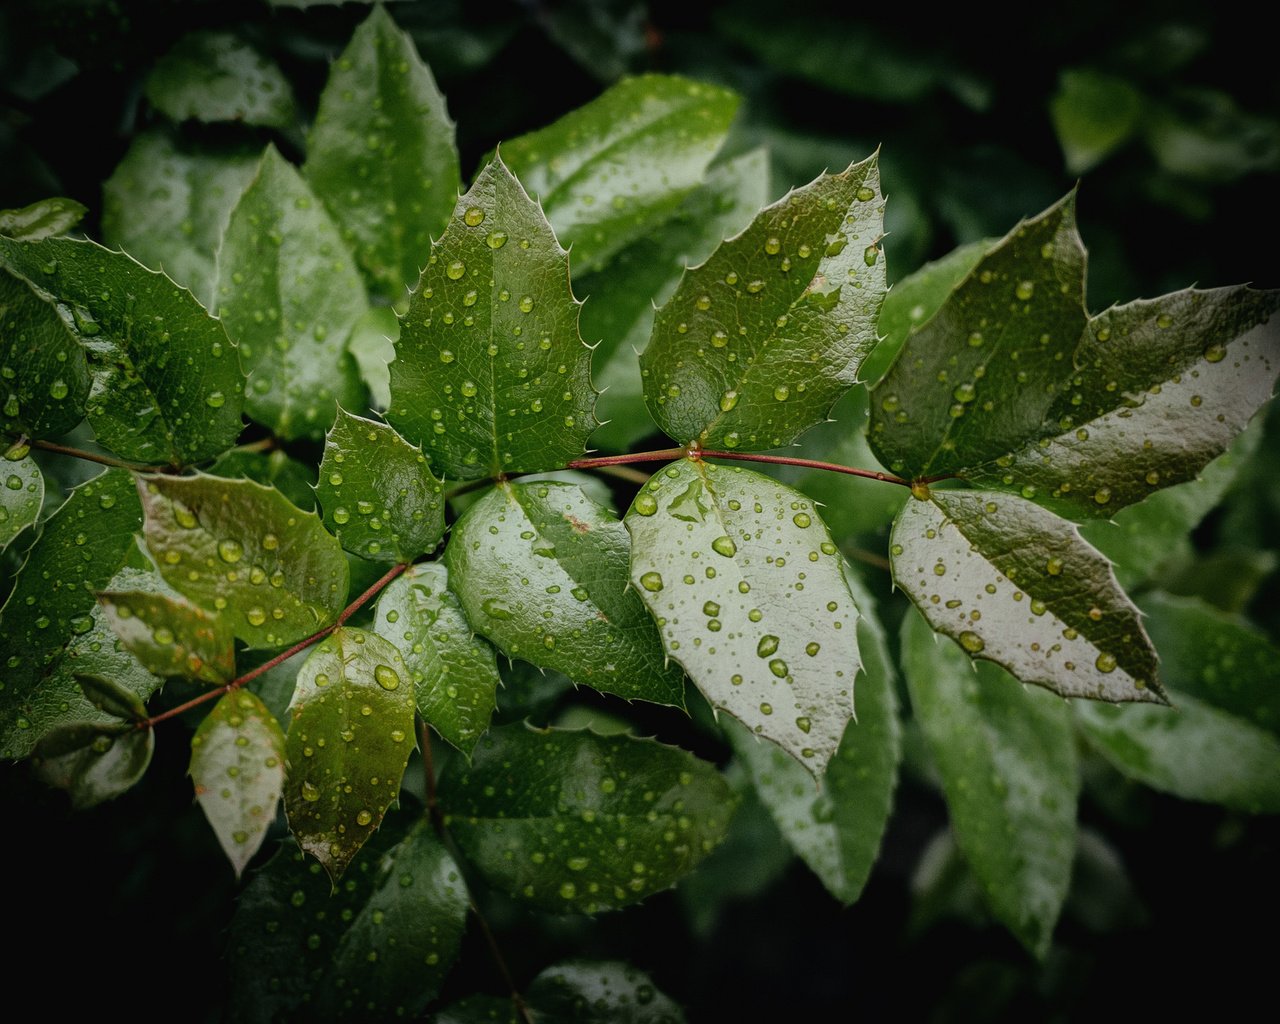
x: 760, y: 340
x: 837, y: 828
x: 237, y: 766
x: 1093, y: 114
x: 1203, y: 135
x: 242, y: 549
x: 42, y: 219
x: 377, y: 492
x: 1193, y: 750
x: 373, y: 346
x: 171, y: 636
x: 290, y: 295
x: 541, y: 570
x: 20, y: 498
x: 112, y: 699
x: 600, y: 992
x: 455, y: 673
x: 610, y: 171
x: 1016, y: 585
x: 214, y: 76
x: 490, y: 374
x: 93, y: 763
x: 275, y: 469
x: 1008, y: 764
x: 82, y: 545
x: 167, y: 386
x: 349, y: 739
x: 479, y: 1009
x: 377, y: 947
x: 381, y: 154
x: 750, y: 597
x: 175, y: 226
x: 46, y: 377
x: 573, y: 822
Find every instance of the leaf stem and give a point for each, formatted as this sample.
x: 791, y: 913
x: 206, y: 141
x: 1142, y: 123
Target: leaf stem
x: 599, y: 462
x: 102, y: 460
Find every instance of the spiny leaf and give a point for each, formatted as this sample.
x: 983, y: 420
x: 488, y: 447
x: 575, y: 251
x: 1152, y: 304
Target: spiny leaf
x: 81, y: 547
x: 455, y: 673
x: 242, y: 549
x: 750, y: 597
x: 541, y: 570
x: 1008, y: 765
x: 167, y: 385
x: 382, y: 141
x: 172, y: 636
x: 214, y: 76
x: 377, y: 492
x: 93, y: 763
x: 275, y: 469
x: 42, y: 219
x: 290, y: 303
x: 600, y: 992
x: 20, y: 498
x: 1016, y: 585
x: 760, y: 340
x: 610, y: 171
x: 237, y: 766
x: 349, y: 739
x: 490, y: 374
x: 576, y: 822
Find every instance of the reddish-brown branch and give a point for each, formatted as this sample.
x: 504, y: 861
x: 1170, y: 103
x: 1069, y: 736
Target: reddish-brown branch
x: 664, y: 455
x: 102, y: 460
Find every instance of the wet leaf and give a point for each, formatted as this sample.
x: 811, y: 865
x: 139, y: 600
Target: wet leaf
x: 760, y: 340
x: 749, y: 594
x: 600, y: 992
x: 610, y: 171
x: 573, y: 822
x: 290, y: 295
x: 172, y: 636
x: 1014, y: 584
x: 20, y: 497
x: 490, y: 374
x: 373, y: 346
x: 112, y: 699
x: 350, y: 734
x: 377, y: 492
x: 455, y: 673
x: 242, y: 549
x: 237, y: 766
x: 541, y: 570
x: 1093, y: 114
x: 1008, y: 764
x: 214, y: 76
x: 93, y: 763
x: 42, y: 219
x: 275, y: 469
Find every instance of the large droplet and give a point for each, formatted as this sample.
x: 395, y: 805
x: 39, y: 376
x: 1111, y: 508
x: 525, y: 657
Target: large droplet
x: 386, y: 677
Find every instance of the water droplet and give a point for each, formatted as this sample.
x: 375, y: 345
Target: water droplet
x: 865, y: 194
x: 526, y: 303
x: 474, y: 216
x: 778, y: 667
x: 1215, y: 353
x: 568, y: 890
x: 975, y: 339
x: 803, y: 724
x: 58, y: 390
x: 215, y: 400
x: 767, y: 709
x: 724, y: 546
x: 363, y: 818
x: 711, y: 608
x: 773, y: 246
x: 971, y: 642
x: 1053, y: 567
x: 1102, y: 495
x: 495, y: 608
x: 256, y: 616
x: 310, y: 792
x: 386, y: 677
x: 455, y: 270
x: 781, y: 393
x: 651, y: 581
x: 1106, y: 663
x: 497, y: 239
x: 768, y: 645
x: 341, y: 515
x: 1025, y: 290
x: 646, y: 504
x: 469, y: 388
x: 812, y: 648
x: 801, y: 519
x: 230, y: 551
x: 728, y: 400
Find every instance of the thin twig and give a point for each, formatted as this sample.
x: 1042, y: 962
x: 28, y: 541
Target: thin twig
x: 635, y: 476
x: 102, y: 460
x: 790, y: 460
x: 521, y: 1006
x: 600, y: 461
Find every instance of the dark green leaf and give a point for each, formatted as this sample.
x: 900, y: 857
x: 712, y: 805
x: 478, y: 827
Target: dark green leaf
x: 760, y: 340
x: 377, y: 492
x: 575, y: 822
x: 1008, y: 764
x: 290, y: 295
x: 1203, y: 135
x: 349, y: 739
x: 20, y: 498
x: 271, y: 469
x: 750, y: 597
x: 242, y: 549
x: 610, y: 171
x: 381, y: 154
x: 541, y: 570
x: 1016, y: 585
x: 81, y: 547
x: 600, y: 992
x: 167, y: 386
x: 42, y: 219
x: 1093, y: 113
x: 213, y: 76
x: 112, y: 699
x: 490, y: 374
x: 172, y: 636
x: 237, y: 766
x: 93, y: 763
x: 455, y: 673
x: 479, y: 1009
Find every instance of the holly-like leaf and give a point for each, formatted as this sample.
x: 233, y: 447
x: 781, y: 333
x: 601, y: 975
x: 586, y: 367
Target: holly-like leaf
x: 490, y: 374
x: 20, y: 497
x: 237, y: 766
x: 600, y: 992
x: 175, y: 226
x: 609, y: 172
x: 93, y: 763
x: 373, y: 346
x: 541, y: 570
x: 350, y: 734
x: 42, y: 219
x: 577, y: 822
x: 377, y: 492
x: 760, y: 340
x: 82, y: 545
x: 44, y: 372
x: 1007, y: 759
x: 381, y: 154
x: 215, y: 76
x: 172, y: 636
x: 273, y: 571
x: 290, y: 294
x: 167, y: 386
x: 1014, y: 584
x: 836, y: 829
x: 275, y: 469
x: 112, y: 699
x: 749, y: 594
x: 1093, y: 113
x: 455, y: 673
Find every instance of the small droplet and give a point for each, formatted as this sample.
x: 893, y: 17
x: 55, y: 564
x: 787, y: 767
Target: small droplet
x: 497, y: 239
x: 651, y: 581
x: 724, y: 546
x: 230, y: 551
x: 1215, y: 353
x: 802, y: 520
x: 768, y: 645
x: 474, y: 216
x: 1106, y: 663
x: 971, y: 642
x: 386, y: 677
x: 455, y: 270
x: 215, y: 400
x: 1025, y: 290
x: 363, y: 818
x: 1053, y: 567
x: 646, y: 504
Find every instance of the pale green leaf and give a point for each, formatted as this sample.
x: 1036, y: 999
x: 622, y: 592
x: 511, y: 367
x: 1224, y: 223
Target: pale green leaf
x: 1093, y: 113
x: 171, y: 636
x: 42, y: 219
x: 93, y: 763
x: 215, y: 76
x: 600, y: 992
x: 373, y: 346
x: 112, y: 699
x: 20, y: 497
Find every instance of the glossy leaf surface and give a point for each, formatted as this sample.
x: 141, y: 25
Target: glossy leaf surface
x: 42, y: 219
x: 20, y: 497
x: 215, y: 76
x: 600, y: 992
x: 93, y: 763
x: 171, y: 636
